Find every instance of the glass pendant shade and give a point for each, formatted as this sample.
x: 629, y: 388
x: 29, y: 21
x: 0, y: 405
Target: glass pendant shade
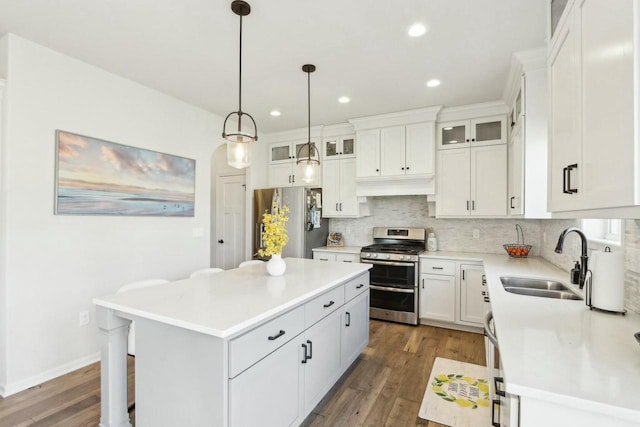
x: 310, y: 170
x: 238, y: 153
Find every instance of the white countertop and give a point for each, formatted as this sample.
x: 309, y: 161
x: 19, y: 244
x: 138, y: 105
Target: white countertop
x: 227, y: 303
x: 343, y: 249
x: 559, y: 350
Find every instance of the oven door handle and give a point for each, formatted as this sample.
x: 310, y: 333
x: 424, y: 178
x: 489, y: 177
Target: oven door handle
x: 487, y: 329
x: 390, y: 289
x: 397, y: 264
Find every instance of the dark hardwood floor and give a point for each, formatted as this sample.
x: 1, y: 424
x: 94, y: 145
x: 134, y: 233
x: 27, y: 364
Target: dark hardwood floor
x: 384, y: 387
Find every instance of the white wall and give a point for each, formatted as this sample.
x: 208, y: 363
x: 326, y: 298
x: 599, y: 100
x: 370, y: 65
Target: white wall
x: 55, y: 265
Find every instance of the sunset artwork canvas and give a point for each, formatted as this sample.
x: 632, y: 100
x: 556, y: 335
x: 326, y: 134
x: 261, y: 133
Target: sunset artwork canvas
x: 96, y: 177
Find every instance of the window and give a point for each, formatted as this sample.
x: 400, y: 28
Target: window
x: 606, y: 231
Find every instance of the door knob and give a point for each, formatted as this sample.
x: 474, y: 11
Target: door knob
x: 220, y: 241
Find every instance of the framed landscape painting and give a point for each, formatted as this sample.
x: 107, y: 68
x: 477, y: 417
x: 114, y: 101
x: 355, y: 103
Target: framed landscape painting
x: 96, y: 177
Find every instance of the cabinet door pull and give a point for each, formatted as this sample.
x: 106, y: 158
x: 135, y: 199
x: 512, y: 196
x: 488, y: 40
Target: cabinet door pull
x: 377, y: 170
x: 422, y: 283
x: 495, y: 403
x: 310, y: 350
x: 467, y: 139
x: 473, y: 205
x: 462, y: 274
x: 348, y: 319
x: 346, y: 260
x: 437, y: 268
x: 294, y: 179
x: 276, y: 336
x: 500, y: 380
x: 304, y: 346
x: 565, y: 172
x: 473, y: 140
x: 289, y: 179
x: 407, y: 167
x: 340, y: 206
x: 329, y: 304
x: 511, y: 202
x: 360, y: 286
x: 337, y: 208
x: 486, y: 299
x: 324, y: 259
x: 402, y: 168
x: 569, y: 169
x: 484, y: 293
x: 467, y: 205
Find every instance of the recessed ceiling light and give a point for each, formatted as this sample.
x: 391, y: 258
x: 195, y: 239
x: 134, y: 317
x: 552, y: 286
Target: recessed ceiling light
x: 275, y: 113
x: 344, y: 100
x: 416, y: 30
x: 433, y: 83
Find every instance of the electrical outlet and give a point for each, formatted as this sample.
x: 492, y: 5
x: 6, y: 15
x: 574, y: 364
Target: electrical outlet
x: 476, y: 233
x: 84, y: 318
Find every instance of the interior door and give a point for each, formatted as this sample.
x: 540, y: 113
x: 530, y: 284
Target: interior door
x: 230, y: 221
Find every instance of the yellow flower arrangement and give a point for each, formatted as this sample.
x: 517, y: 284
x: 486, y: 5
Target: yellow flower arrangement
x: 275, y: 230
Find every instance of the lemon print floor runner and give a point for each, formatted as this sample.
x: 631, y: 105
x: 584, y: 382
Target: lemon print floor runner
x: 457, y: 395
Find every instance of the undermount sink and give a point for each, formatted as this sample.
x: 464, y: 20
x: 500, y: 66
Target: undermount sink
x: 538, y: 288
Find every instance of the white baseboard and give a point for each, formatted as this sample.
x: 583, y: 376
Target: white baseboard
x: 18, y: 386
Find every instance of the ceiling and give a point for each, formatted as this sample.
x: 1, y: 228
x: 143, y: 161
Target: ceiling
x: 189, y: 49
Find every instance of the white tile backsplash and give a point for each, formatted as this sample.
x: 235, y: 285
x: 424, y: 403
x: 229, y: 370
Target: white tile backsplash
x: 457, y: 235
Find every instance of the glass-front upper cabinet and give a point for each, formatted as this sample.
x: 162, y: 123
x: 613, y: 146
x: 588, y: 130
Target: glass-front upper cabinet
x: 339, y: 147
x: 556, y: 8
x: 475, y: 132
x: 302, y: 150
x: 280, y: 152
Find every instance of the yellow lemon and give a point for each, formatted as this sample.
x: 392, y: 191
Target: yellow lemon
x: 484, y: 387
x: 437, y: 389
x: 469, y: 380
x: 442, y: 378
x: 464, y: 403
x: 483, y: 402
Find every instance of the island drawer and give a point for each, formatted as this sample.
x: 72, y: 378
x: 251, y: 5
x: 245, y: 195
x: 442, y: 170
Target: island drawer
x: 323, y: 305
x: 247, y: 349
x: 355, y: 287
x: 438, y: 266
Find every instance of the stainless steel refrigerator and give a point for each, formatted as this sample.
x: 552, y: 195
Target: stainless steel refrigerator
x: 306, y: 228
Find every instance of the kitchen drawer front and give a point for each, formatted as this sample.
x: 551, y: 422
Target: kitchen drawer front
x: 438, y: 266
x: 324, y: 256
x: 323, y: 305
x: 347, y: 257
x: 355, y: 287
x: 247, y: 349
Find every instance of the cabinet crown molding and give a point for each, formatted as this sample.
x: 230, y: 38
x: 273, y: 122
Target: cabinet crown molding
x: 521, y: 63
x: 337, y: 130
x: 473, y: 111
x: 294, y: 134
x: 407, y: 117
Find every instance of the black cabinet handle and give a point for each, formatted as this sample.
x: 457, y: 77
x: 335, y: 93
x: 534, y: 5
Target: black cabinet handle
x: 402, y: 168
x: 564, y: 181
x: 462, y: 274
x: 359, y: 286
x: 304, y: 346
x: 348, y: 317
x: 484, y: 293
x: 220, y: 241
x: 437, y: 268
x: 486, y: 299
x: 495, y: 403
x: 407, y: 167
x: 337, y: 208
x: 329, y: 304
x: 289, y: 179
x: 511, y: 202
x: 310, y: 350
x: 473, y: 139
x: 276, y: 336
x: 467, y: 205
x: 294, y: 179
x: 422, y: 283
x: 473, y: 205
x: 569, y: 169
x: 467, y: 140
x: 340, y: 206
x: 500, y: 380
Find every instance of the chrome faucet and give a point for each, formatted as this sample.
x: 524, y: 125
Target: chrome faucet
x: 584, y: 259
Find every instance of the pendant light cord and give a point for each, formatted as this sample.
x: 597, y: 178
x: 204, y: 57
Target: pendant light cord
x: 240, y: 81
x: 309, y: 109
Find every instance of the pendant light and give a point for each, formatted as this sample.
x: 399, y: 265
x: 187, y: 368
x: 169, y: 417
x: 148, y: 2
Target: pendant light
x: 239, y: 141
x: 311, y: 161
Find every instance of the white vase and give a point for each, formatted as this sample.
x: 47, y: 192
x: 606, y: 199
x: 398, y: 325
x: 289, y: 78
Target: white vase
x: 276, y: 265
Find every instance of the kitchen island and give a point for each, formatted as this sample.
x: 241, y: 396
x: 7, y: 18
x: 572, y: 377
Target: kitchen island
x: 569, y: 365
x: 235, y: 348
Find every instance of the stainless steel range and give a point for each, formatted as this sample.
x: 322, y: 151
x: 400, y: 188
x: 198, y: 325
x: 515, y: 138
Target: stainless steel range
x: 394, y: 276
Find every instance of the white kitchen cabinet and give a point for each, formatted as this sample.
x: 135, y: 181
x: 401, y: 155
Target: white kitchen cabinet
x: 368, y: 159
x: 592, y: 143
x: 337, y: 255
x: 472, y: 182
x: 452, y: 292
x: 280, y: 376
x: 355, y: 329
x: 283, y: 169
x: 438, y: 297
x: 472, y: 293
x: 322, y: 364
x: 401, y: 151
x: 516, y: 170
x: 339, y: 188
x: 339, y: 147
x: 474, y: 132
